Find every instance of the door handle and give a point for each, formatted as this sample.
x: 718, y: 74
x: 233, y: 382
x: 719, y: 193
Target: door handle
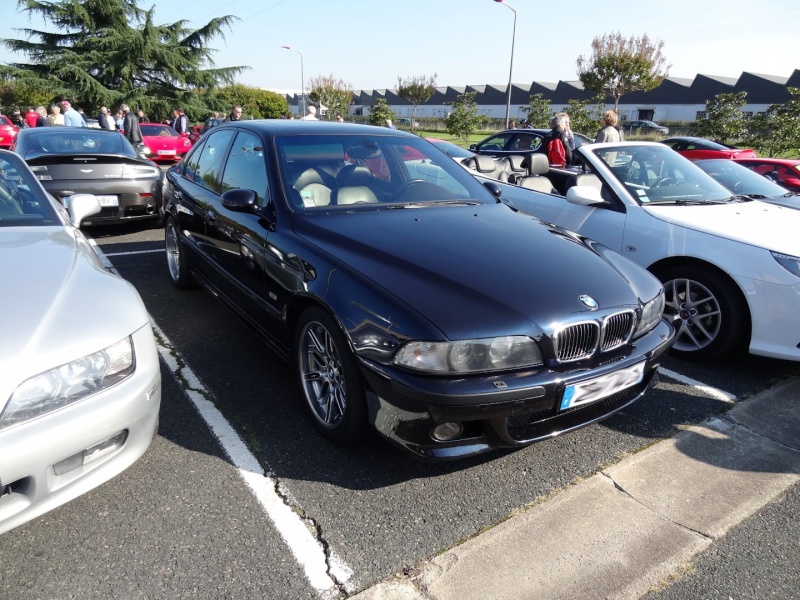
x: 211, y: 217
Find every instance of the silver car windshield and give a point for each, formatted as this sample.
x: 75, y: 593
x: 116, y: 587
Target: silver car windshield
x: 655, y: 174
x: 22, y: 202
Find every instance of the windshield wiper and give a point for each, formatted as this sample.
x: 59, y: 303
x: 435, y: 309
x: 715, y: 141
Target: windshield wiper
x: 427, y: 203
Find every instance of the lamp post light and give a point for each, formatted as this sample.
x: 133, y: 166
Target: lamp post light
x: 302, y: 79
x: 511, y: 66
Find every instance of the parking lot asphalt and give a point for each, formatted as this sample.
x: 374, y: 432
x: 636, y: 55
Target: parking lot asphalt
x: 634, y: 526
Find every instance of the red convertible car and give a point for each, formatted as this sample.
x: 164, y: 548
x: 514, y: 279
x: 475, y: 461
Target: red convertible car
x: 783, y: 171
x: 8, y: 131
x: 695, y: 148
x: 164, y: 143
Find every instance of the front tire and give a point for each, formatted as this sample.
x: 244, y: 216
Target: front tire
x: 329, y: 378
x: 709, y: 315
x: 177, y: 260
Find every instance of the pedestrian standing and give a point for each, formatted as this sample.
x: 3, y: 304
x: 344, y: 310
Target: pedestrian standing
x: 130, y: 126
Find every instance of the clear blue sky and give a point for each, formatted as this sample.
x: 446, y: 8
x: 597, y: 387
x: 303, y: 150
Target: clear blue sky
x: 468, y: 42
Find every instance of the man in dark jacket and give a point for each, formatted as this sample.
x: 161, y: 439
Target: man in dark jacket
x: 130, y: 126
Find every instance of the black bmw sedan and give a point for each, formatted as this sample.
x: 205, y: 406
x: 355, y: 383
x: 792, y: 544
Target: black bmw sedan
x: 404, y: 294
x: 82, y: 160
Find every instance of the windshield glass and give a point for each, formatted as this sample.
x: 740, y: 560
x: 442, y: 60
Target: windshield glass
x: 76, y: 140
x: 155, y: 130
x: 22, y: 202
x: 332, y: 171
x: 655, y: 173
x: 739, y: 179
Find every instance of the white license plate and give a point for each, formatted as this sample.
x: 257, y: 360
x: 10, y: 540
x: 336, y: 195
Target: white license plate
x: 166, y: 152
x: 601, y: 387
x: 108, y: 200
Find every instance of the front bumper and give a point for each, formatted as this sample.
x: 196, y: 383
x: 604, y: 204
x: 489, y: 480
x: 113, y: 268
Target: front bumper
x: 29, y: 481
x: 498, y: 411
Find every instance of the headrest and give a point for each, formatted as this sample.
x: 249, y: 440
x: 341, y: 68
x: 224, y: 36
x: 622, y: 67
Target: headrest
x: 537, y: 164
x: 356, y: 194
x: 517, y: 163
x: 353, y: 175
x: 306, y: 177
x: 484, y: 163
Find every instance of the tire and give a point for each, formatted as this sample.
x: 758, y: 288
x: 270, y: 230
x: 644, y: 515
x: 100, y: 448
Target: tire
x: 329, y: 378
x: 707, y: 310
x: 177, y: 260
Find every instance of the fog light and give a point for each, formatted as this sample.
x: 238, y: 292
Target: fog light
x: 92, y: 453
x: 446, y: 432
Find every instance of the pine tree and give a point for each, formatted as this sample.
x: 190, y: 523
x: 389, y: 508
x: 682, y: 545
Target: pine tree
x: 106, y: 52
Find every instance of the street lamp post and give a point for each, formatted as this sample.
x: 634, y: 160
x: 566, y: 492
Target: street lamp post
x: 511, y: 65
x: 302, y: 79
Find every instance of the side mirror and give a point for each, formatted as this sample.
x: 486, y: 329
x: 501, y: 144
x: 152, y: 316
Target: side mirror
x: 473, y: 147
x: 494, y: 189
x: 239, y: 200
x: 81, y: 206
x: 584, y: 195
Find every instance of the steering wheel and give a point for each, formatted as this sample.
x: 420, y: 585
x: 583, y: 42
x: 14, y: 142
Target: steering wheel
x: 664, y: 181
x: 407, y: 186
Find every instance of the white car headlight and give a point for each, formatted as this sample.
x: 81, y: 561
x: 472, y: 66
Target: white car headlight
x: 69, y: 383
x: 470, y: 356
x: 788, y: 262
x: 651, y: 314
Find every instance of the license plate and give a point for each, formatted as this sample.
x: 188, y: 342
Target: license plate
x: 108, y: 200
x: 166, y: 152
x: 601, y: 387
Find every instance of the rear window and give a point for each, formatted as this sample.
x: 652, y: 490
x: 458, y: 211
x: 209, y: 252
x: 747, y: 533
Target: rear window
x: 64, y: 140
x: 156, y: 130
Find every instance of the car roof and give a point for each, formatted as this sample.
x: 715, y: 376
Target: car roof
x: 299, y: 127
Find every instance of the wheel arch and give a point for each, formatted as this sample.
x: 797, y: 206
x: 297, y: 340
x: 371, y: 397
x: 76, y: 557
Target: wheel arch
x: 673, y: 262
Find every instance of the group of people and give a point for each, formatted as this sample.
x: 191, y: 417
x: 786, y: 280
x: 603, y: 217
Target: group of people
x: 61, y: 114
x: 560, y: 130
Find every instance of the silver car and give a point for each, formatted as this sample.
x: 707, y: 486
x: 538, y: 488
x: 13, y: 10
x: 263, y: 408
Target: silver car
x: 80, y: 384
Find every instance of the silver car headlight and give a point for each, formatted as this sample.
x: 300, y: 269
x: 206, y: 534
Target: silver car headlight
x: 788, y: 262
x: 56, y: 388
x: 651, y: 314
x: 470, y: 356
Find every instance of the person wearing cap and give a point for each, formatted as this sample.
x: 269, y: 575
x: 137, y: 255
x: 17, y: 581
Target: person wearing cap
x: 16, y: 119
x: 72, y: 118
x: 311, y: 114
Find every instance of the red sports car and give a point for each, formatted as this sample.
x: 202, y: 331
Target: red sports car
x: 164, y: 143
x: 8, y: 132
x: 695, y: 148
x: 783, y: 171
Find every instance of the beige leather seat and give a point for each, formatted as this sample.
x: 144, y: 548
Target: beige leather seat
x: 538, y: 167
x: 487, y: 166
x: 589, y: 179
x: 515, y: 167
x: 312, y: 189
x: 353, y: 194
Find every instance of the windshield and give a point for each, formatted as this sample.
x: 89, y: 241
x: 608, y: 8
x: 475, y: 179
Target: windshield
x: 22, y: 202
x: 158, y: 130
x: 655, y: 173
x: 332, y: 171
x: 741, y: 180
x: 76, y: 140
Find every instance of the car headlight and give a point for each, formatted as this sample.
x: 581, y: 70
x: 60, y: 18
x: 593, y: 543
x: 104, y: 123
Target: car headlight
x: 470, y: 356
x: 651, y: 314
x: 68, y: 383
x: 788, y: 262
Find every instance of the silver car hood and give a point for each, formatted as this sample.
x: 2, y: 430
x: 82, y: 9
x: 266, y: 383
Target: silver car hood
x: 59, y: 303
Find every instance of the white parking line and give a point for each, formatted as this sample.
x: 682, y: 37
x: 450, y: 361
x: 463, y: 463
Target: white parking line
x: 307, y: 550
x: 706, y: 389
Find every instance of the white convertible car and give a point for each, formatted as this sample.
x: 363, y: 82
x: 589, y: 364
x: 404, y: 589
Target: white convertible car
x: 730, y: 265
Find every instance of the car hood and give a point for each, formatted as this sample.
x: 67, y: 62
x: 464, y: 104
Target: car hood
x: 478, y: 271
x: 752, y: 222
x: 59, y: 303
x: 162, y: 142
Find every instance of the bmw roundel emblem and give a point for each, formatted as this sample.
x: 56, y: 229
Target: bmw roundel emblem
x: 589, y: 302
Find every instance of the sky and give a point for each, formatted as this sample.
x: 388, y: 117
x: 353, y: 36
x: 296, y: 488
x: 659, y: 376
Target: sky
x: 469, y: 42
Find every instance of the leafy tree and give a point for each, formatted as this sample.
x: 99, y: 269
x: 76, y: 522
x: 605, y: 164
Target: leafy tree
x: 724, y: 120
x: 335, y: 94
x: 256, y: 103
x: 19, y: 93
x: 416, y: 90
x: 465, y: 119
x: 619, y: 65
x: 379, y: 112
x: 538, y: 111
x: 105, y: 52
x: 584, y: 115
x: 776, y: 132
